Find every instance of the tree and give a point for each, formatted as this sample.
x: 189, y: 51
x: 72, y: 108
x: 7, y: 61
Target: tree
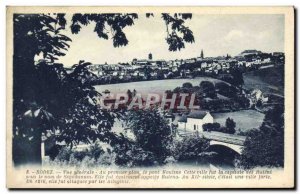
x: 226, y: 89
x: 34, y: 122
x: 67, y: 104
x: 230, y: 125
x: 129, y: 94
x: 175, y: 26
x: 177, y: 32
x: 147, y: 71
x: 187, y: 85
x: 237, y: 77
x: 191, y: 147
x: 265, y: 146
x: 207, y: 89
x: 83, y: 120
x: 152, y: 132
x: 35, y: 34
x: 259, y: 103
x: 68, y: 98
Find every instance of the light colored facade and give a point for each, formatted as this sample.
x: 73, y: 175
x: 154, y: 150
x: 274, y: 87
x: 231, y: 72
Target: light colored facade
x: 195, y: 121
x: 181, y: 125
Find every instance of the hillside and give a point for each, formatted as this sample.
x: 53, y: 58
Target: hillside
x: 268, y: 80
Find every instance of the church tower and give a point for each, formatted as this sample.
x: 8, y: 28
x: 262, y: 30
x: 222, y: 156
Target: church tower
x: 150, y: 56
x: 202, y: 55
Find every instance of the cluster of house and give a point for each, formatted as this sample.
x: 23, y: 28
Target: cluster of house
x: 143, y: 68
x: 149, y: 68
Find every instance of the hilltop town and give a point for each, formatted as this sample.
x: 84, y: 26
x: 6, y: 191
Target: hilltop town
x: 156, y: 69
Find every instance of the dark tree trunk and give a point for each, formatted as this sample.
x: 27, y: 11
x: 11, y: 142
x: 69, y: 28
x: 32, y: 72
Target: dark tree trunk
x: 27, y: 151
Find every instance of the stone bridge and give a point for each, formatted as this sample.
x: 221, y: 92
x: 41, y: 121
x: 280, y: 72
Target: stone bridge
x: 234, y: 142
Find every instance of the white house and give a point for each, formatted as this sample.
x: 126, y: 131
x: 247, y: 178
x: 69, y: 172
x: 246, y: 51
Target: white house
x: 194, y: 121
x: 203, y: 65
x: 267, y: 60
x: 249, y: 64
x: 257, y: 95
x: 115, y: 73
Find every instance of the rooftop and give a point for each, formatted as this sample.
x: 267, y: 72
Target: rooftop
x: 183, y: 118
x: 197, y: 114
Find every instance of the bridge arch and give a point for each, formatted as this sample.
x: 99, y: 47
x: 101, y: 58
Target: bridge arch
x: 225, y: 156
x: 236, y: 148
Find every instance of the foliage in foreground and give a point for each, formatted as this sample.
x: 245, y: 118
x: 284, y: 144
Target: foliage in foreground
x: 92, y: 156
x: 130, y: 154
x: 46, y: 97
x: 192, y: 148
x: 152, y: 132
x: 265, y: 146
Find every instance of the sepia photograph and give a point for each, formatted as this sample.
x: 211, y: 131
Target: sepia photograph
x: 145, y: 97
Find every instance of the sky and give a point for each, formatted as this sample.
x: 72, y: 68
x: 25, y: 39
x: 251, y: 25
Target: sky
x: 217, y: 35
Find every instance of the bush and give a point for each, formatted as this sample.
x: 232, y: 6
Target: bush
x: 88, y: 157
x: 170, y: 160
x: 192, y: 147
x: 64, y: 154
x: 226, y: 89
x: 106, y: 159
x: 227, y: 130
x: 242, y: 133
x: 134, y: 156
x: 79, y: 155
x: 211, y: 127
x: 96, y: 151
x: 187, y: 85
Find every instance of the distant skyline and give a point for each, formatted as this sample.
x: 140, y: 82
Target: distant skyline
x: 217, y: 35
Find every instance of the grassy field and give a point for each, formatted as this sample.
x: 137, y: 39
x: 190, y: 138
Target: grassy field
x: 155, y: 86
x: 245, y: 119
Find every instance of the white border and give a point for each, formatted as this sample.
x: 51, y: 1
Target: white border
x: 4, y: 3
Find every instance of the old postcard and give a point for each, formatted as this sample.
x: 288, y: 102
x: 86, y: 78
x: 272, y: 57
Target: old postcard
x: 150, y: 97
